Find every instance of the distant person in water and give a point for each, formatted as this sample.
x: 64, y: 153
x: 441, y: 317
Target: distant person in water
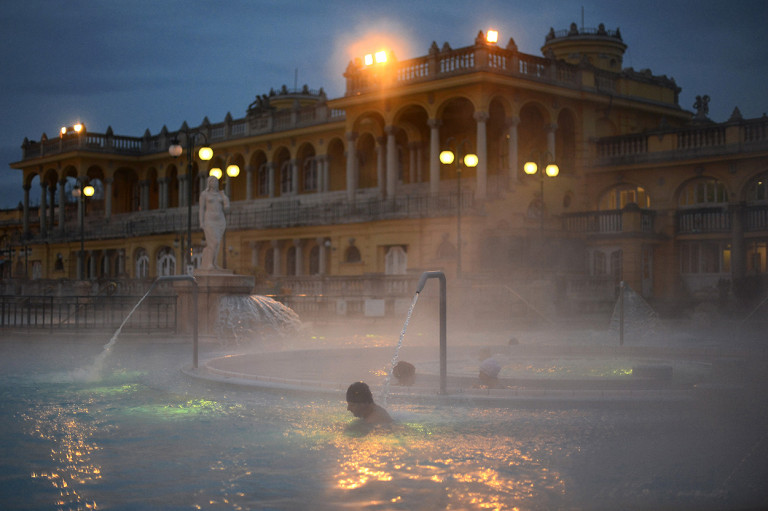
x: 360, y: 403
x: 405, y: 373
x: 489, y: 372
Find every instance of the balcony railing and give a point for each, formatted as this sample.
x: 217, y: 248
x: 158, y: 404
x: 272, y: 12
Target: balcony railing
x: 703, y: 220
x: 298, y: 210
x: 726, y: 138
x: 256, y: 123
x: 609, y: 222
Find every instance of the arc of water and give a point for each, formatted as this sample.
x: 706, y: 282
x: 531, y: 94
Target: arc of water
x: 95, y: 369
x: 385, y: 392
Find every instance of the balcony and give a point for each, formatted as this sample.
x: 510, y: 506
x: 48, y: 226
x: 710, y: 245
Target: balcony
x: 631, y: 219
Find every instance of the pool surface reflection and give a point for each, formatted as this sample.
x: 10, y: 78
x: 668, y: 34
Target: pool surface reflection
x: 144, y: 436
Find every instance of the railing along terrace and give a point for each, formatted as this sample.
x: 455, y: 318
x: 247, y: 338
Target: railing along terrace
x: 601, y: 222
x: 268, y: 213
x: 258, y: 123
x: 756, y: 218
x: 731, y: 136
x: 156, y: 314
x: 479, y: 57
x: 703, y: 220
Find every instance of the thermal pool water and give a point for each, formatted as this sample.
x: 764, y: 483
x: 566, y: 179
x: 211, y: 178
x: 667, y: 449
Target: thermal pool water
x: 142, y: 435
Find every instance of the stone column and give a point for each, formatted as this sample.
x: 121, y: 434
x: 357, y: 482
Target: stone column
x: 25, y: 218
x: 277, y: 258
x: 512, y: 149
x: 162, y: 200
x: 434, y: 155
x: 144, y: 195
x: 271, y: 178
x: 183, y: 190
x: 43, y: 207
x: 52, y: 209
x: 294, y: 177
x: 249, y: 182
x: 62, y: 203
x: 322, y: 163
x: 481, y: 181
x: 381, y: 165
x: 299, y: 246
x: 351, y: 165
x: 322, y: 253
x: 391, y: 162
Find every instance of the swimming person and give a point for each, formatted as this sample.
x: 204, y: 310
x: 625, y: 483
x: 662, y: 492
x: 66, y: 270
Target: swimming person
x: 360, y: 403
x: 213, y: 202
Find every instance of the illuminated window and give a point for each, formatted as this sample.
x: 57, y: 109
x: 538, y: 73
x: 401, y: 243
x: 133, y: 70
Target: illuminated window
x: 620, y: 196
x: 757, y: 190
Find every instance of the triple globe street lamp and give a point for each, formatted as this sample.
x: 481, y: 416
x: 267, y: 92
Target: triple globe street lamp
x: 459, y: 155
x: 205, y: 153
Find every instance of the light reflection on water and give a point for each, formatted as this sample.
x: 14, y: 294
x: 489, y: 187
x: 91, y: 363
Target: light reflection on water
x: 145, y: 437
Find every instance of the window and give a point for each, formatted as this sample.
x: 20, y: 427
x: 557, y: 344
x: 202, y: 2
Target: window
x: 705, y: 257
x: 142, y: 264
x: 703, y: 192
x: 290, y: 261
x: 166, y: 262
x: 310, y: 175
x: 756, y: 256
x: 396, y: 261
x: 286, y: 178
x: 263, y: 180
x: 757, y: 190
x: 619, y: 197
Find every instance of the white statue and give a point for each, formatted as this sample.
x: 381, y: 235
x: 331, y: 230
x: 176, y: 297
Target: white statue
x: 213, y: 202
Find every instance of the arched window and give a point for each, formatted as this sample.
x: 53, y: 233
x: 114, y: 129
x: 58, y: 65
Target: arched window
x: 269, y: 261
x: 620, y: 196
x: 396, y: 261
x: 142, y: 264
x: 290, y: 261
x: 703, y: 192
x: 314, y: 260
x: 757, y: 189
x: 166, y: 262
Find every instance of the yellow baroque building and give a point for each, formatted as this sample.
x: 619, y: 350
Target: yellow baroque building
x: 347, y: 198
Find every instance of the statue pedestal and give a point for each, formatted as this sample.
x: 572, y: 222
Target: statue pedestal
x: 211, y: 285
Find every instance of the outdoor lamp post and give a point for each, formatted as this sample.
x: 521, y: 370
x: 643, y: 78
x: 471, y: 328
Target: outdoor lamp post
x: 205, y: 153
x: 81, y: 194
x: 469, y: 160
x: 551, y: 169
x: 232, y: 172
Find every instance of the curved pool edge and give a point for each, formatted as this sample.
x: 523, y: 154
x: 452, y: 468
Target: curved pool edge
x: 574, y: 396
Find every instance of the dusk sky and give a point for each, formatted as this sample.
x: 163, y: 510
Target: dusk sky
x: 136, y: 65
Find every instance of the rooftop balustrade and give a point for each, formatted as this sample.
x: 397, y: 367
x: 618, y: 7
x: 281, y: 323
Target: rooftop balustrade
x: 255, y: 123
x: 734, y: 136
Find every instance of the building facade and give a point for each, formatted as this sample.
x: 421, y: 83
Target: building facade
x: 347, y: 196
